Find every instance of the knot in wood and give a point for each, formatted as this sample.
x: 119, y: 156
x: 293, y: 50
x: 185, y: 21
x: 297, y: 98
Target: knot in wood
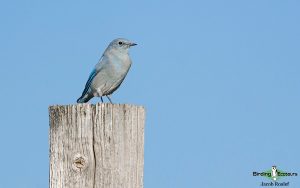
x: 79, y: 162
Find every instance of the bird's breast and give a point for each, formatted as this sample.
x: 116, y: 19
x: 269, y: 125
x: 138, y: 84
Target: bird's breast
x: 121, y: 65
x: 112, y: 74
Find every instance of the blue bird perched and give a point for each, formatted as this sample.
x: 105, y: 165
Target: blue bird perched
x: 109, y: 72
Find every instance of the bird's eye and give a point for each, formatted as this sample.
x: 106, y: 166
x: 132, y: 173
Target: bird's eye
x: 120, y: 43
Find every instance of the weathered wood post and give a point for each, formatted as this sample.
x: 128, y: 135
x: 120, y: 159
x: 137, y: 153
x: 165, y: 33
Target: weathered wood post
x: 96, y: 146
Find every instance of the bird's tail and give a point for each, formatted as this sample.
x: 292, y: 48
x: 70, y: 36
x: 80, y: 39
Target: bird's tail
x: 84, y: 98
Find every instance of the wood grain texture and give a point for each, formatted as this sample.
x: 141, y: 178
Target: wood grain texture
x: 96, y: 146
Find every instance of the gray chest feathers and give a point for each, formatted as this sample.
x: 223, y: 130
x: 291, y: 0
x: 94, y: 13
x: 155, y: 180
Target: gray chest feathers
x: 112, y: 75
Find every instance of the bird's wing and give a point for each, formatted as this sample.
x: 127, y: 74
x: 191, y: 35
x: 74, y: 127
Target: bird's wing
x: 89, y: 81
x: 94, y: 72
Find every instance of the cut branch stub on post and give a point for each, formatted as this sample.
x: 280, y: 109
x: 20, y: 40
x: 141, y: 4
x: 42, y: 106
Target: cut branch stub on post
x: 96, y: 146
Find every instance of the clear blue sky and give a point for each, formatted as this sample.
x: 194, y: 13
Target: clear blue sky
x: 220, y: 81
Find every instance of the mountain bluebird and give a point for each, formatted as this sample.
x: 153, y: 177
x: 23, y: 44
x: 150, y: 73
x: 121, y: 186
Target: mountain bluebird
x: 109, y: 72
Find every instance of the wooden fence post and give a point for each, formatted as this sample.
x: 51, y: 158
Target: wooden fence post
x: 96, y: 146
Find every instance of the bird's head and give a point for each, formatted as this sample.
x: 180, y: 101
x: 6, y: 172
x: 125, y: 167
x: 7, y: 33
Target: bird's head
x: 121, y: 44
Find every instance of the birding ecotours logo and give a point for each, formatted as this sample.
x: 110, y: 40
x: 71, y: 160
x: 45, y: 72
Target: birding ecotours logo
x: 274, y: 174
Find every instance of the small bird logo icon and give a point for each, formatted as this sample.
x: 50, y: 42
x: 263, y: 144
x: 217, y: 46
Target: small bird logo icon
x: 274, y: 173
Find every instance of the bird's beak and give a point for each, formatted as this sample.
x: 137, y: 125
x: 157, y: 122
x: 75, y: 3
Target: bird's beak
x: 132, y: 44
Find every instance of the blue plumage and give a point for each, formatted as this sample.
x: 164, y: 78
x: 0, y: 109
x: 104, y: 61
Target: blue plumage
x: 109, y: 72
